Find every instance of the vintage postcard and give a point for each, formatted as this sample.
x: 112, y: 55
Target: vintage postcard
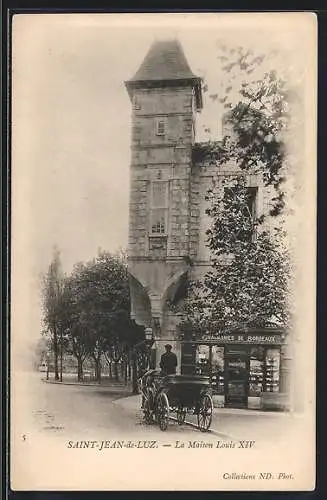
x: 163, y: 327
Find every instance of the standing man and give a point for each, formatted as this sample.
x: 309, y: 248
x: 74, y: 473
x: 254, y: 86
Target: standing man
x: 168, y: 361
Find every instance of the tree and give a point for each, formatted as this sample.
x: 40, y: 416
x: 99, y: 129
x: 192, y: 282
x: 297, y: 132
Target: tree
x: 52, y: 293
x: 100, y: 309
x: 74, y: 321
x: 249, y: 281
x: 40, y: 351
x: 256, y: 118
x: 248, y: 285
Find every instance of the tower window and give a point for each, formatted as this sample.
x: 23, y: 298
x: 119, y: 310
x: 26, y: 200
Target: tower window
x: 158, y: 222
x: 160, y: 126
x: 159, y: 208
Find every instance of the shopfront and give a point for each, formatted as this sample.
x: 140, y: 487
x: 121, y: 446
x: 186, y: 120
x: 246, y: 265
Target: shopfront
x: 244, y: 367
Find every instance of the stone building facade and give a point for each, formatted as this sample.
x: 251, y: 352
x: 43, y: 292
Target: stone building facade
x: 167, y: 221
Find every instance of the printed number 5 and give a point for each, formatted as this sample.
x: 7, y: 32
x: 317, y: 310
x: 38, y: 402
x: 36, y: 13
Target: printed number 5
x: 24, y: 437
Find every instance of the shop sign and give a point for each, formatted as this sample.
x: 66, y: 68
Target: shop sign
x: 244, y: 338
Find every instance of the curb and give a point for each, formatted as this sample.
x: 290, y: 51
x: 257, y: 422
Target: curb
x: 210, y: 431
x: 83, y: 384
x: 186, y: 422
x: 246, y: 413
x: 249, y: 412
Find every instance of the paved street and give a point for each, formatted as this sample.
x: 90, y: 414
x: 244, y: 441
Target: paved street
x: 91, y: 411
x: 76, y: 411
x: 52, y: 422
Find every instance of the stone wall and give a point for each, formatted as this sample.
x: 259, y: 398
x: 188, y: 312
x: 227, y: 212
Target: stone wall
x: 166, y: 157
x: 153, y: 261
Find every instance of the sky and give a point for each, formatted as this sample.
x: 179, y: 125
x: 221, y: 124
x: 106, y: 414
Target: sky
x: 71, y: 124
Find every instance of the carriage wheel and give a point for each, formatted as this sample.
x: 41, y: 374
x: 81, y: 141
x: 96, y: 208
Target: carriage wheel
x: 205, y: 413
x: 181, y: 414
x: 147, y: 412
x: 163, y: 411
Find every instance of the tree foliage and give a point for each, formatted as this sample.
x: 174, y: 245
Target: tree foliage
x: 52, y: 297
x: 255, y: 120
x: 249, y: 280
x: 248, y: 284
x: 96, y: 310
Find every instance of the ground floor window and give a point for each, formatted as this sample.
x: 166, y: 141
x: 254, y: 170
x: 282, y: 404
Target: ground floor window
x: 257, y: 371
x: 272, y: 370
x: 264, y: 370
x: 218, y: 367
x: 239, y: 373
x: 214, y: 366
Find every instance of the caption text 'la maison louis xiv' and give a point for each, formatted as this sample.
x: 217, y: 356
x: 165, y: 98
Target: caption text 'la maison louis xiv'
x: 147, y: 444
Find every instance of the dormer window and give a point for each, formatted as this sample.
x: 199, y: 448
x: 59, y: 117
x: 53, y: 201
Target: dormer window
x: 160, y: 126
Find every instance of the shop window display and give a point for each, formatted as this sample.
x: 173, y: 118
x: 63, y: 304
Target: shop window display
x: 240, y: 374
x: 218, y: 367
x: 264, y: 370
x: 257, y: 367
x: 272, y: 370
x: 202, y: 360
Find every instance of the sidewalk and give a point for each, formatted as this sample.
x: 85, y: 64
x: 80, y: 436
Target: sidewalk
x: 234, y: 423
x: 120, y: 387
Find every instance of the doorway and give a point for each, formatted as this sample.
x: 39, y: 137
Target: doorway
x: 236, y: 376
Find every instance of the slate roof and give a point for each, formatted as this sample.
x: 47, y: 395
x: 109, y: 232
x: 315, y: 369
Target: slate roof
x: 164, y: 61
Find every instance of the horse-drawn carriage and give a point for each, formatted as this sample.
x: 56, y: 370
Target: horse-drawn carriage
x: 179, y: 394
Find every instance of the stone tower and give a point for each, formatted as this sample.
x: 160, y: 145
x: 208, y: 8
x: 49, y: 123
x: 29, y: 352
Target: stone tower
x: 165, y: 97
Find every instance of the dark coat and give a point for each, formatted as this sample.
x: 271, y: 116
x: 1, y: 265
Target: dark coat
x: 168, y: 363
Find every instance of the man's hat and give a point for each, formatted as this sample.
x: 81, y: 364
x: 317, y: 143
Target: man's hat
x: 168, y: 346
